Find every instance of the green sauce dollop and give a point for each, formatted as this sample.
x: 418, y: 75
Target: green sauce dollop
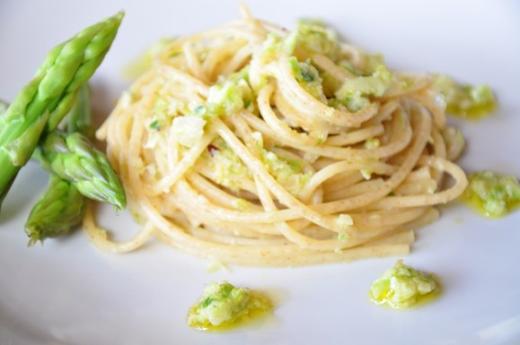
x: 464, y: 100
x: 492, y: 195
x: 403, y: 287
x: 224, y: 306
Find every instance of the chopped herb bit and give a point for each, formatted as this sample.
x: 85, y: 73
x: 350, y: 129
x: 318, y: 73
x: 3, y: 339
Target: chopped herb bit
x: 308, y: 77
x: 155, y: 125
x: 343, y: 236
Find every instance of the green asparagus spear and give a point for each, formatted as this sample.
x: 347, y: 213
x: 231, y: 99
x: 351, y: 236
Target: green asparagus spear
x: 73, y: 158
x: 79, y: 118
x: 44, y: 101
x: 59, y: 209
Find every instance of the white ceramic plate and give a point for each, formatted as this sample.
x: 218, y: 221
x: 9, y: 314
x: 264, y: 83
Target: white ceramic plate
x: 67, y: 292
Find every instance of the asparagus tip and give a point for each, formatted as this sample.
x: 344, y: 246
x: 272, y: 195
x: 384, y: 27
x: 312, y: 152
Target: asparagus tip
x: 33, y: 234
x: 120, y: 15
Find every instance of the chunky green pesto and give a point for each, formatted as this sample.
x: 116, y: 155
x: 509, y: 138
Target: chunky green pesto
x: 312, y: 37
x: 288, y: 172
x: 231, y: 172
x: 464, y: 100
x: 308, y: 77
x: 223, y: 306
x: 227, y: 168
x: 162, y: 113
x: 491, y: 194
x: 271, y: 47
x: 355, y: 92
x: 402, y: 287
x: 230, y: 95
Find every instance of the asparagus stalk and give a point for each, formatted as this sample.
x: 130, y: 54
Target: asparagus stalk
x: 45, y: 100
x: 59, y: 210
x: 61, y: 206
x: 79, y: 118
x: 73, y: 158
x: 50, y: 217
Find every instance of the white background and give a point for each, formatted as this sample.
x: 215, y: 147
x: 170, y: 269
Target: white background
x: 67, y: 292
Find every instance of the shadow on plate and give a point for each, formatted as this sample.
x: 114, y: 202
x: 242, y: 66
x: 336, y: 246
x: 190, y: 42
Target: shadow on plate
x: 28, y: 185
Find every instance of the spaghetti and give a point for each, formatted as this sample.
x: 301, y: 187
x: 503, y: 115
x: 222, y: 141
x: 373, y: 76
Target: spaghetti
x: 253, y: 145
